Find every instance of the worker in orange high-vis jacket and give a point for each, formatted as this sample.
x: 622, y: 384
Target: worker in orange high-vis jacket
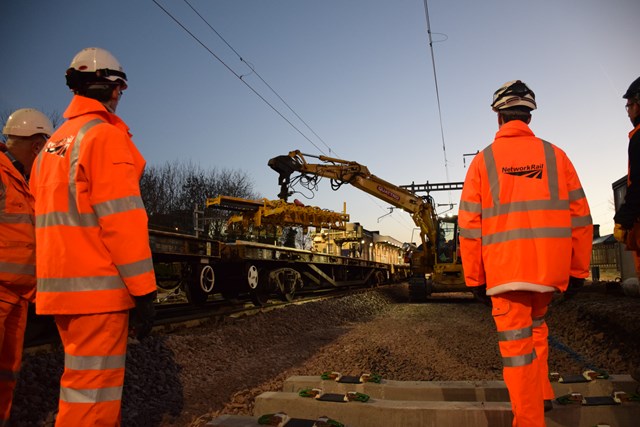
x: 93, y: 258
x: 628, y: 215
x: 525, y: 233
x: 26, y: 131
x: 627, y: 218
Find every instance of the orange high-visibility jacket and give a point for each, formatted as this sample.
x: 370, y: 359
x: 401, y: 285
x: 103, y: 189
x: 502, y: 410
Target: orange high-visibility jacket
x: 17, y: 234
x: 524, y: 218
x: 93, y: 250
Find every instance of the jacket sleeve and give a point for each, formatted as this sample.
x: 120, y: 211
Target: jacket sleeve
x: 112, y: 168
x: 470, y: 223
x: 581, y: 224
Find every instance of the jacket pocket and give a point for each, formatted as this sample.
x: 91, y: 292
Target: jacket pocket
x: 500, y: 307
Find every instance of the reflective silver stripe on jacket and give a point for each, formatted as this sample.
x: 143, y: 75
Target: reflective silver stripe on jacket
x: 525, y: 206
x: 9, y: 267
x: 516, y: 361
x: 552, y: 170
x: 16, y: 218
x: 123, y: 204
x: 581, y: 221
x: 64, y: 218
x: 526, y: 233
x: 80, y: 284
x: 470, y: 233
x: 576, y: 194
x: 135, y: 268
x: 90, y: 395
x: 83, y: 363
x: 472, y: 207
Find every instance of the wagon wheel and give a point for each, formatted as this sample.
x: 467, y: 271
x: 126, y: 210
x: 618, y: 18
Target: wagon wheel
x: 252, y: 276
x: 207, y: 279
x: 258, y: 282
x: 196, y: 294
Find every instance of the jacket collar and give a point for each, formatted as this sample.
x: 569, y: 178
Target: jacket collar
x: 514, y: 128
x: 81, y: 105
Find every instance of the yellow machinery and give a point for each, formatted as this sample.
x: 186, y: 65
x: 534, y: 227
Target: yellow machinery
x: 257, y: 213
x: 437, y: 268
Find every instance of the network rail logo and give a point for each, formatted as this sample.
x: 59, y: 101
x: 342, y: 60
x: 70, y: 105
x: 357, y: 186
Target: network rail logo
x: 528, y: 171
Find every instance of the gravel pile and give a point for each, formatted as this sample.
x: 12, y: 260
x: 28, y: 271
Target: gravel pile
x: 191, y: 376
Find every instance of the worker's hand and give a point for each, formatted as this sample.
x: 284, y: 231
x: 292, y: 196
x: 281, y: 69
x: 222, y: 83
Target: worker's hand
x: 145, y: 313
x: 575, y: 285
x: 480, y: 294
x: 619, y: 233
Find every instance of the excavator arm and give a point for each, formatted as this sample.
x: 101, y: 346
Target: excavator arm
x: 348, y: 172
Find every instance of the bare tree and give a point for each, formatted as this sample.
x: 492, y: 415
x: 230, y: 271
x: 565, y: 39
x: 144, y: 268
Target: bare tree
x: 171, y: 193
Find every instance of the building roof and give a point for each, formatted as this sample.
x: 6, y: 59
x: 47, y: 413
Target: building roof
x: 602, y: 240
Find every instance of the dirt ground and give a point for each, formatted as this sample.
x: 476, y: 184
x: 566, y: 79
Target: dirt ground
x: 189, y: 377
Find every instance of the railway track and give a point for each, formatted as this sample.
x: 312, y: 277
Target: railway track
x: 42, y: 334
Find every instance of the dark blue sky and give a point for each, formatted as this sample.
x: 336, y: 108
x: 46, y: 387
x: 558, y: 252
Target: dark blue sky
x: 358, y: 72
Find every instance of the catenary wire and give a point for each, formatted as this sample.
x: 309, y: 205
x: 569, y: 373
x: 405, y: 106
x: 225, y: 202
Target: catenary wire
x: 258, y: 75
x: 435, y: 78
x: 236, y: 74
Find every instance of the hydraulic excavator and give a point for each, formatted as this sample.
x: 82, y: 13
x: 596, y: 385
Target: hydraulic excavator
x: 436, y: 265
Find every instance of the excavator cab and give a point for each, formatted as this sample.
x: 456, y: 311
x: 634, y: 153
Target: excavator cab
x: 448, y: 247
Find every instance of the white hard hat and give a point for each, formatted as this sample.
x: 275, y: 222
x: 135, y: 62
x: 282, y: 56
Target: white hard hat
x: 27, y: 122
x: 95, y: 62
x: 513, y: 94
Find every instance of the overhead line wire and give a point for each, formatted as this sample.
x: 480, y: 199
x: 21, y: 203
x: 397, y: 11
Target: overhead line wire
x: 435, y: 78
x: 258, y: 75
x: 236, y: 74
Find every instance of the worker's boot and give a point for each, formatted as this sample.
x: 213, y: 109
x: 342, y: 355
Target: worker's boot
x: 548, y: 405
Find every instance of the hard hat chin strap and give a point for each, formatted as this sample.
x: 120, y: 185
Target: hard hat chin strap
x: 98, y: 91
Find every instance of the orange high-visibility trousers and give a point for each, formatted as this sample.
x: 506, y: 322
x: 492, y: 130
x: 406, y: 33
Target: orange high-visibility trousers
x: 13, y: 321
x: 524, y: 349
x: 95, y: 347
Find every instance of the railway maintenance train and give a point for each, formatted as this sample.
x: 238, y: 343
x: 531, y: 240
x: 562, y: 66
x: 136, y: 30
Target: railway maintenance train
x: 201, y: 267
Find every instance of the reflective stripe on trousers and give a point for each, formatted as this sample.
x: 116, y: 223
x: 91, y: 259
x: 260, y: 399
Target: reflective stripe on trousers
x: 524, y: 350
x: 91, y: 385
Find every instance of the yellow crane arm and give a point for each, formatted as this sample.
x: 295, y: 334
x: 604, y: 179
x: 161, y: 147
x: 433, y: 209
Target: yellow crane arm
x: 350, y: 172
